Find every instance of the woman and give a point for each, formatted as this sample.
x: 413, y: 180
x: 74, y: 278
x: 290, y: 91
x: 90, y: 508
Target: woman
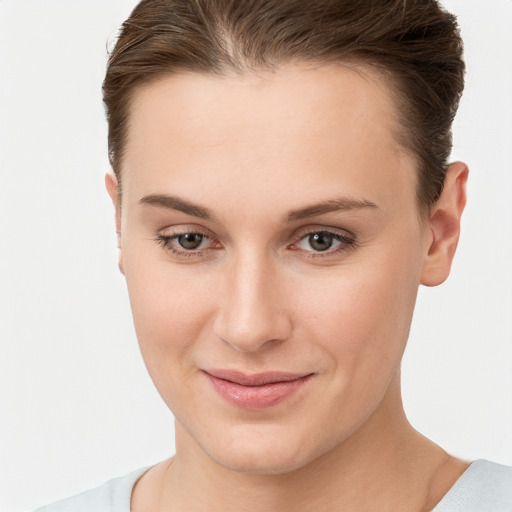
x: 281, y: 190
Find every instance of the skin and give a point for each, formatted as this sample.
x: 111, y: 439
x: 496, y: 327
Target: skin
x: 250, y: 150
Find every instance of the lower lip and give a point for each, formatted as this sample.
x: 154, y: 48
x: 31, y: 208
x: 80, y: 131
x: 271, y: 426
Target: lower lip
x: 256, y: 397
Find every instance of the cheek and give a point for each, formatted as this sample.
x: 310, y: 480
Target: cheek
x: 360, y: 323
x: 172, y: 309
x: 362, y: 315
x: 167, y: 310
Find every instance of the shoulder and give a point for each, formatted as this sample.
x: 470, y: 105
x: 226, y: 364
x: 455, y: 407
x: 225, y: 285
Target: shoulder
x: 112, y: 496
x: 483, y: 487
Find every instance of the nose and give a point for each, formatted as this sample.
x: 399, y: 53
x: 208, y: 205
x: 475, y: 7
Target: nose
x: 252, y: 311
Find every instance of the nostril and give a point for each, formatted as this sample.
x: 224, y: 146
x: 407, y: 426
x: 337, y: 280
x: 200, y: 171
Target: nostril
x: 263, y: 333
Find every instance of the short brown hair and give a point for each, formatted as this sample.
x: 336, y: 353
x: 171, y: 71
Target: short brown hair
x: 414, y: 42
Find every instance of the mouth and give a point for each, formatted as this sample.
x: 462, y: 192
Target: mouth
x: 255, y: 391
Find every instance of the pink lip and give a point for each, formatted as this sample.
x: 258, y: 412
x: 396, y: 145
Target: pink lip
x: 256, y: 391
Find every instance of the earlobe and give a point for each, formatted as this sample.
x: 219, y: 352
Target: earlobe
x: 113, y: 191
x: 444, y: 225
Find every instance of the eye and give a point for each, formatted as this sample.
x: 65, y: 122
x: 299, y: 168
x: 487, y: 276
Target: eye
x: 323, y: 241
x: 187, y: 244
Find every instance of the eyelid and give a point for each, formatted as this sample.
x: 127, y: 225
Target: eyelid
x: 183, y: 229
x: 309, y: 230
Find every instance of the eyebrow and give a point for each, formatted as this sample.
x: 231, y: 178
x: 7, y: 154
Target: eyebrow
x: 176, y: 203
x: 331, y: 205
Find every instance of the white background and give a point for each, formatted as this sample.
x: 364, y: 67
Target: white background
x: 76, y: 404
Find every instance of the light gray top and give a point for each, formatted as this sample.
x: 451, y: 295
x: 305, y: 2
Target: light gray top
x: 113, y: 496
x: 484, y: 487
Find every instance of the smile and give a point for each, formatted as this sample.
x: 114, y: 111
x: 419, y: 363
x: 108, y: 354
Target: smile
x: 256, y: 391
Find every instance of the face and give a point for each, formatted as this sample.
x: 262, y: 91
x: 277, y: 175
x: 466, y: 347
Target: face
x: 272, y: 248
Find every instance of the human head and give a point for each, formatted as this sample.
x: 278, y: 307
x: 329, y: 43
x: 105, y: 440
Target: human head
x: 415, y: 44
x: 207, y: 154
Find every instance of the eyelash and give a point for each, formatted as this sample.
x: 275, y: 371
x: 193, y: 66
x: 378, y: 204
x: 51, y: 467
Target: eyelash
x: 347, y: 242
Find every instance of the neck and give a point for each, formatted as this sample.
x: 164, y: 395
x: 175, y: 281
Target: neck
x: 385, y: 465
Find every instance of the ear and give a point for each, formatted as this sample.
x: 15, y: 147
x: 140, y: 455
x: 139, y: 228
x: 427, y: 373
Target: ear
x: 113, y: 191
x: 444, y: 226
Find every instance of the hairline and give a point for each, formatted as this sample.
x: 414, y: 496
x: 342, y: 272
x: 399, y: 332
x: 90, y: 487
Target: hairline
x: 367, y: 68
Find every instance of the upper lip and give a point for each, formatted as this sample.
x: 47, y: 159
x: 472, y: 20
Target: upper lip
x: 255, y: 379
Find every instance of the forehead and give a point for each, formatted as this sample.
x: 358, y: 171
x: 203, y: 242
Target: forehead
x: 324, y: 93
x: 297, y: 121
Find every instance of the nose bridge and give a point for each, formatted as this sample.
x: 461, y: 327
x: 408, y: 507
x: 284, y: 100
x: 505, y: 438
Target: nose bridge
x: 252, y: 309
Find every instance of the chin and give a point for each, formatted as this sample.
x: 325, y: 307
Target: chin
x: 260, y: 451
x: 260, y: 463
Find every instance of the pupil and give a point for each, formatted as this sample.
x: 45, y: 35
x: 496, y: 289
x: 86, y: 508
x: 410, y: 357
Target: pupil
x: 190, y: 240
x: 321, y: 241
